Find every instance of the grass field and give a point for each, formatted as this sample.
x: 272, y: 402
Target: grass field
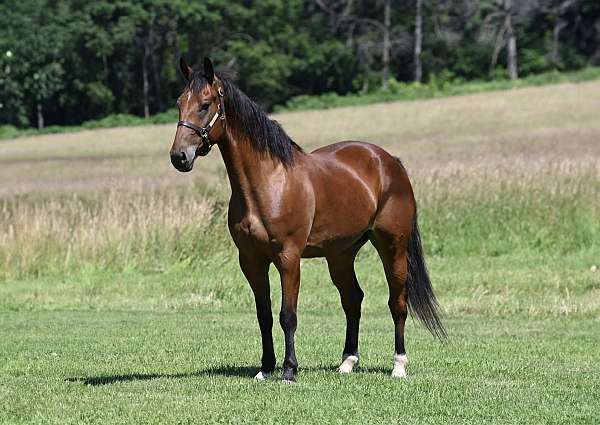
x: 121, y: 299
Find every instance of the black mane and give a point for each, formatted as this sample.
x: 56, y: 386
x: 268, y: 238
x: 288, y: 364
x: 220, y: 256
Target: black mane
x: 265, y: 135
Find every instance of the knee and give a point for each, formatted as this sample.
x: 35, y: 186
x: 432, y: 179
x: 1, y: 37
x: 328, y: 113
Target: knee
x: 351, y: 295
x: 265, y: 321
x: 288, y: 319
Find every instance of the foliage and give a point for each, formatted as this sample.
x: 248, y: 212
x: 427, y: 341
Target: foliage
x: 441, y: 86
x: 114, y: 120
x: 444, y: 85
x: 9, y: 132
x: 87, y: 60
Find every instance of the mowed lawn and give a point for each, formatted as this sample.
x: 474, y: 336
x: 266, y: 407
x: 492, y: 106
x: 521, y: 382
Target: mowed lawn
x: 196, y: 367
x: 121, y: 300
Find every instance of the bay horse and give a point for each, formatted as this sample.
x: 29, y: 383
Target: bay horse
x: 288, y: 204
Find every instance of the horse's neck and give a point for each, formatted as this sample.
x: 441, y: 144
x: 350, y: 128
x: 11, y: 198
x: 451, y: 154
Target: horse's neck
x: 246, y: 168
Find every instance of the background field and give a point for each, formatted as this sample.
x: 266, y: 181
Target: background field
x: 121, y: 299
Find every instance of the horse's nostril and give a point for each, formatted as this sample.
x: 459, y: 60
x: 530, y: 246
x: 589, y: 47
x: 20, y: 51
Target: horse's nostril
x: 179, y: 159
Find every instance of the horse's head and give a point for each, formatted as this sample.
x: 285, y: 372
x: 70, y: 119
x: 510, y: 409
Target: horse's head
x: 201, y: 115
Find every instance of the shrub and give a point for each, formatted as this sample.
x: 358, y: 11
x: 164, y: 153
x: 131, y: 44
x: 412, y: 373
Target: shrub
x: 115, y: 120
x: 8, y: 131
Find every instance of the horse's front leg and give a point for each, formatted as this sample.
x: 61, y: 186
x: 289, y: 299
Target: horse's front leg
x: 256, y: 271
x: 289, y: 270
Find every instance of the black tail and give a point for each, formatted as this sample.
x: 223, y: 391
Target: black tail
x: 421, y: 299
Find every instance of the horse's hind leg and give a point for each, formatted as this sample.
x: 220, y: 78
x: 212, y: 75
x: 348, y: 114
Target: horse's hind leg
x: 392, y: 251
x: 341, y: 269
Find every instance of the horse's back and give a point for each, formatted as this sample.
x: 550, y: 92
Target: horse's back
x: 376, y: 168
x: 349, y: 169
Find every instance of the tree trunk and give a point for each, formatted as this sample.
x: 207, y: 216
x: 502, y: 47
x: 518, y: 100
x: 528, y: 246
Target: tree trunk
x: 418, y: 41
x: 105, y: 68
x: 512, y: 56
x: 558, y: 27
x: 40, y: 116
x: 155, y: 72
x: 146, y: 85
x: 387, y: 11
x: 347, y: 14
x: 513, y: 72
x: 498, y: 45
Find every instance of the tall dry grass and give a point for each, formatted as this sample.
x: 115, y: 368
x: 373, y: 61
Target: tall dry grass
x: 107, y: 230
x: 511, y: 205
x: 516, y: 206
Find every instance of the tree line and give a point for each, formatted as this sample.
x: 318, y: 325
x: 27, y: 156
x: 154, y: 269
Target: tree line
x: 67, y: 61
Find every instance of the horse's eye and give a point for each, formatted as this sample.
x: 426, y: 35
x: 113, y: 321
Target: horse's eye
x: 205, y: 106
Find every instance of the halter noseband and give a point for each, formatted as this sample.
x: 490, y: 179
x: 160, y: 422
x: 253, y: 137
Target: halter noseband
x: 203, y: 132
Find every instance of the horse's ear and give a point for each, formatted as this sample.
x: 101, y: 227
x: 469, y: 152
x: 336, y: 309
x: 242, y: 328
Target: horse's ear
x: 209, y: 70
x: 185, y: 68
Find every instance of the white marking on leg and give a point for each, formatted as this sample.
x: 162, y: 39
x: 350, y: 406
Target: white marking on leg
x: 262, y: 376
x: 400, y: 362
x: 348, y: 363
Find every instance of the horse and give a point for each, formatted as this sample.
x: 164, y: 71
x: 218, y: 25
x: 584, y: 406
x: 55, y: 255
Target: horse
x: 287, y: 204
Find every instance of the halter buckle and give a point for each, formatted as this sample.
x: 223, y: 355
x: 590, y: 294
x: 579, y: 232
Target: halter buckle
x: 221, y: 104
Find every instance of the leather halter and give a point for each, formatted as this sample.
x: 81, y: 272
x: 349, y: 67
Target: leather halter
x: 204, y: 132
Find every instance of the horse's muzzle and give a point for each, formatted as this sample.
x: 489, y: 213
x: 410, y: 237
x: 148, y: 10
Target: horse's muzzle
x: 181, y: 161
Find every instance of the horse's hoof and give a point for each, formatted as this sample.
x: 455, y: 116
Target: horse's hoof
x: 349, y: 361
x: 262, y: 376
x: 289, y: 376
x: 400, y: 362
x: 399, y: 374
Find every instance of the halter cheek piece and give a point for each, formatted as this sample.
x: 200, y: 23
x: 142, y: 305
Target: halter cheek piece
x: 204, y: 132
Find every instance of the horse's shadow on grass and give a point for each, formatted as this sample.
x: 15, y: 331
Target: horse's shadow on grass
x: 227, y: 371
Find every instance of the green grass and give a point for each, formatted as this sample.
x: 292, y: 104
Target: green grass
x: 537, y: 285
x: 181, y: 346
x: 196, y: 367
x: 522, y: 214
